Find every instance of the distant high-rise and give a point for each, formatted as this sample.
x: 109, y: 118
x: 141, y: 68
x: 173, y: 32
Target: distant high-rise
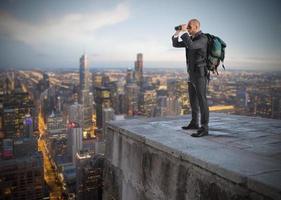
x: 139, y: 81
x: 74, y: 140
x: 114, y: 91
x: 173, y: 106
x: 149, y: 102
x: 15, y: 107
x: 139, y: 69
x: 75, y: 113
x: 108, y: 115
x: 48, y: 101
x: 84, y: 73
x: 105, y: 80
x: 87, y: 109
x: 59, y: 104
x: 103, y: 100
x: 131, y: 98
x: 85, y: 99
x: 55, y: 124
x: 28, y: 126
x: 97, y: 79
x: 21, y: 170
x: 46, y: 81
x: 89, y: 181
x: 132, y: 92
x: 10, y: 82
x: 130, y: 76
x: 120, y: 103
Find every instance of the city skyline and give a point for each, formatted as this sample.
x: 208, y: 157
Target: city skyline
x: 41, y: 114
x: 52, y: 34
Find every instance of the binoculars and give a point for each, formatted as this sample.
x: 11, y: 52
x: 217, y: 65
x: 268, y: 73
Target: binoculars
x: 178, y: 28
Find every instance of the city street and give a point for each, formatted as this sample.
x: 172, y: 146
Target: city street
x: 49, y: 172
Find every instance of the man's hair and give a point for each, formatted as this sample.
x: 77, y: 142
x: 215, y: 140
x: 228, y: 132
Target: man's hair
x: 195, y: 21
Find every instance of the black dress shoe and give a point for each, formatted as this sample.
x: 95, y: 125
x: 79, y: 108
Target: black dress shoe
x: 201, y: 132
x: 190, y: 126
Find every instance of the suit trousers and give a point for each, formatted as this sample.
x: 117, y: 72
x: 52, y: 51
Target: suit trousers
x: 197, y: 90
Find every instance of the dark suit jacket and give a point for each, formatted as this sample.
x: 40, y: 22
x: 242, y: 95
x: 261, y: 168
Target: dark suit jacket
x: 196, y: 53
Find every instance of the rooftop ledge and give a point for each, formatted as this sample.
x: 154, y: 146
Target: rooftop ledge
x: 244, y: 150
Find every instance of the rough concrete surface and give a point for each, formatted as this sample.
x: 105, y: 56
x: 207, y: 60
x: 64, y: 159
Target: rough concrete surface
x: 150, y: 159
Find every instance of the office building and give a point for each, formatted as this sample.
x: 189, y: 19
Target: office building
x: 89, y: 176
x: 132, y: 92
x: 149, y: 103
x: 108, y: 115
x: 74, y: 140
x: 84, y: 73
x: 139, y: 70
x: 130, y: 77
x: 21, y: 170
x: 85, y: 98
x: 76, y: 113
x: 56, y: 124
x: 28, y: 126
x: 15, y: 108
x: 103, y: 100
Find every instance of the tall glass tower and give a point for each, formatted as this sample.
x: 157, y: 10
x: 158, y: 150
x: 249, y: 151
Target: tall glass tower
x: 85, y: 99
x: 139, y: 69
x: 84, y: 73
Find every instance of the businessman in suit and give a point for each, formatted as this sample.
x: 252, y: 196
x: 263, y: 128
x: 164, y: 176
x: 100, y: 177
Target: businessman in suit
x: 195, y: 44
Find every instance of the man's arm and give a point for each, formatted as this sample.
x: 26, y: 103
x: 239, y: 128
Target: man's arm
x: 175, y: 40
x: 198, y: 44
x: 176, y: 43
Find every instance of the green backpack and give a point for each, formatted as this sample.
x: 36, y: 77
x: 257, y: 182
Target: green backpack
x: 215, y: 53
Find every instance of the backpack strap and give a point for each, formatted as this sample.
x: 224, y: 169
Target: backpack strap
x: 208, y: 77
x: 222, y: 64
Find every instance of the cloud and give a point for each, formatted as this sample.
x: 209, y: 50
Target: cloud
x: 68, y: 30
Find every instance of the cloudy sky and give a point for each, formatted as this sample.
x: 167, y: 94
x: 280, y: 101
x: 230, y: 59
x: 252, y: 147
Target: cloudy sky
x: 54, y: 33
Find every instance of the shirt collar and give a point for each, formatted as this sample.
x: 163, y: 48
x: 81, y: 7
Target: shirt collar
x: 197, y: 34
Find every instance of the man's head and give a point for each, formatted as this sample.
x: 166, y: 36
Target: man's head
x: 193, y: 26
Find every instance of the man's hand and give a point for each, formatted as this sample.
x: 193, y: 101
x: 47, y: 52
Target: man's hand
x: 184, y: 27
x: 177, y: 33
x: 180, y: 32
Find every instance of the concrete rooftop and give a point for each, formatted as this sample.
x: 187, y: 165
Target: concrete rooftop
x: 245, y: 150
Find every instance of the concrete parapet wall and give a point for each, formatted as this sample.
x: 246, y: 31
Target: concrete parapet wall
x: 141, y: 168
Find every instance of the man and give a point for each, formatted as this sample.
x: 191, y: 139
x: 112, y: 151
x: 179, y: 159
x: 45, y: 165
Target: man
x: 195, y: 44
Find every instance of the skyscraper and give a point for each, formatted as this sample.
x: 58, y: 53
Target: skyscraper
x: 21, y: 170
x: 74, y: 140
x: 131, y: 98
x: 75, y: 113
x: 139, y: 81
x: 108, y: 115
x: 55, y: 124
x: 149, y: 102
x: 84, y: 73
x: 28, y: 126
x: 132, y: 92
x: 85, y: 99
x: 15, y: 107
x: 103, y: 100
x: 89, y: 176
x: 130, y: 76
x: 139, y: 70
